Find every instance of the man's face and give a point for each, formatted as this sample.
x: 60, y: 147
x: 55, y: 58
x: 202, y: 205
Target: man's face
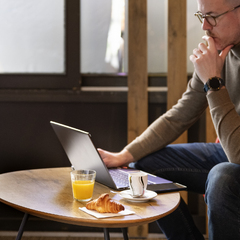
x: 226, y: 31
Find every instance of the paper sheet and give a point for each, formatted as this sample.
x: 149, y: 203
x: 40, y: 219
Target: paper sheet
x: 106, y: 215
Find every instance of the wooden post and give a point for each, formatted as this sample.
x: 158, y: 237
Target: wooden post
x: 137, y: 80
x: 137, y: 76
x: 177, y: 57
x: 137, y: 69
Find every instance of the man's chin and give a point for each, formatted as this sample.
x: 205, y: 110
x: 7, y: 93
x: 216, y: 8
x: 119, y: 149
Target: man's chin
x: 220, y: 47
x: 218, y: 44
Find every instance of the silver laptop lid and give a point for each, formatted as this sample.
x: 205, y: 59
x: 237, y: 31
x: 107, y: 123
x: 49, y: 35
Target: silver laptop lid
x: 82, y: 153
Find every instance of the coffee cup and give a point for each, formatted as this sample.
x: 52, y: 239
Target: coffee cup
x: 138, y: 183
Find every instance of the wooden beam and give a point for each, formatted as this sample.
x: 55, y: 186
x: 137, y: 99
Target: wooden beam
x: 177, y: 54
x: 177, y: 58
x: 137, y: 80
x: 137, y: 69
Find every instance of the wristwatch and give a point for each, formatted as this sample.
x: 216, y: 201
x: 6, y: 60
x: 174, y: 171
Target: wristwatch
x: 213, y: 84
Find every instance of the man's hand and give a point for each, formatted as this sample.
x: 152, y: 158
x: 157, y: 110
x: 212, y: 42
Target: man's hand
x: 206, y: 60
x: 122, y: 158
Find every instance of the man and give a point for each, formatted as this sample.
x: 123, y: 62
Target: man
x: 207, y: 168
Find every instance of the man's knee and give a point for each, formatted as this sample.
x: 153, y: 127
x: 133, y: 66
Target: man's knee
x: 223, y: 179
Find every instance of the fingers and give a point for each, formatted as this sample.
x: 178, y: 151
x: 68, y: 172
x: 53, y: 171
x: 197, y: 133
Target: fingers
x: 102, y: 152
x: 109, y: 158
x: 211, y: 45
x: 210, y: 42
x: 197, y: 52
x: 192, y: 58
x: 202, y: 49
x: 105, y: 156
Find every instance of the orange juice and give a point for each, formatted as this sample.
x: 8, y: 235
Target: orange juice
x: 82, y: 189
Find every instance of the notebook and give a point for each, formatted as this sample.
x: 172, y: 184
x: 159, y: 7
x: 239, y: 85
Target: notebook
x: 82, y: 154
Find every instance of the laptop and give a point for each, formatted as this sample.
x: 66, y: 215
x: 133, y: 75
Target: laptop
x: 82, y: 154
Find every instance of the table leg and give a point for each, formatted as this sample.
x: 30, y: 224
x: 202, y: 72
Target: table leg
x: 106, y: 234
x: 21, y: 228
x: 125, y: 234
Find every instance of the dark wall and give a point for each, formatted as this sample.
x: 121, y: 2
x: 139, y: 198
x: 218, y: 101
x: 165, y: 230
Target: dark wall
x: 28, y: 141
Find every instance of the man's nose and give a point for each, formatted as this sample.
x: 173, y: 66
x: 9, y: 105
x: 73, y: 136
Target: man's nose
x: 206, y: 25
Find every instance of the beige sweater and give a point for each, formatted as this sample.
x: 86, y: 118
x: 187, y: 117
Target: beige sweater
x: 224, y: 107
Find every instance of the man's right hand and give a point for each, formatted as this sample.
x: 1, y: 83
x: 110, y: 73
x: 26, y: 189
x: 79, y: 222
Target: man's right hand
x: 119, y: 159
x: 207, y: 61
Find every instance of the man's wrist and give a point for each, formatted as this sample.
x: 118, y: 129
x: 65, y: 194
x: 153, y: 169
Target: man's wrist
x: 210, y: 91
x: 213, y: 84
x: 127, y: 156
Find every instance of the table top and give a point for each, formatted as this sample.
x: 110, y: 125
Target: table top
x: 47, y: 193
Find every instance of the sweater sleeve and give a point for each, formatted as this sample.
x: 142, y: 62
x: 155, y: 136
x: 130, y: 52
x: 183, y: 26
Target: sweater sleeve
x: 226, y: 122
x: 173, y: 123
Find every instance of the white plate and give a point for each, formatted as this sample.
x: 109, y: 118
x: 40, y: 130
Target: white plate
x: 146, y: 197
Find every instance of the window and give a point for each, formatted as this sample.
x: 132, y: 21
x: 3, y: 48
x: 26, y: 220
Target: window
x: 40, y: 44
x: 33, y: 39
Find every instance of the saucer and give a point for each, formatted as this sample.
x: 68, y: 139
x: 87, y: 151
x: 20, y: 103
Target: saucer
x: 146, y: 197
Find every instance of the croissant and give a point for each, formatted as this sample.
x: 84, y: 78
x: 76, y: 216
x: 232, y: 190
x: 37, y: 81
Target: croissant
x: 104, y: 204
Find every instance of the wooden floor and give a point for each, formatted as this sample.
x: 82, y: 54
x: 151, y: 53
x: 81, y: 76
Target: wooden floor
x: 76, y: 238
x: 72, y: 236
x: 79, y: 238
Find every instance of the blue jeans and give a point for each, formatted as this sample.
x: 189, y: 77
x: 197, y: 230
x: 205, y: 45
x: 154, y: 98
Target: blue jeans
x: 199, y: 166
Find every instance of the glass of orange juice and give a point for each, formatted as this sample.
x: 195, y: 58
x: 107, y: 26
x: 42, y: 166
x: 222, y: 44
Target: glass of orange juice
x: 83, y: 184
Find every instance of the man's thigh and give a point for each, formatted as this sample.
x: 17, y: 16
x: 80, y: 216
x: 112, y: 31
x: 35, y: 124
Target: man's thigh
x: 188, y: 164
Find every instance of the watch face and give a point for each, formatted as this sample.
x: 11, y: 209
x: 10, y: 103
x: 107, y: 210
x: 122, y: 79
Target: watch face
x: 214, y: 83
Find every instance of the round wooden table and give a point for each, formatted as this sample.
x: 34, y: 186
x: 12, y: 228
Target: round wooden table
x: 47, y: 193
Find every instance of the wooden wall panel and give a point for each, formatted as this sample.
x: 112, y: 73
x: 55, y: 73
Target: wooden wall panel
x: 137, y: 80
x: 177, y: 58
x: 137, y: 69
x: 138, y: 74
x: 177, y: 54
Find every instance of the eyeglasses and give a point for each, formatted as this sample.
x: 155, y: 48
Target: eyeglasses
x: 211, y: 19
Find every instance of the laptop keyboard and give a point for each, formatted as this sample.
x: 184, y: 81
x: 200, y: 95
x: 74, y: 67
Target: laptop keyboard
x: 119, y: 177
